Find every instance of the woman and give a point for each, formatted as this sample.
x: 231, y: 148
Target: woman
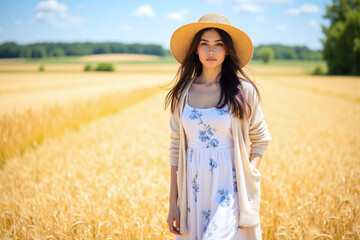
x: 215, y: 115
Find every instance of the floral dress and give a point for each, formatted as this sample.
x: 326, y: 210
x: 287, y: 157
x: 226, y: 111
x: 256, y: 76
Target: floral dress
x: 211, y: 181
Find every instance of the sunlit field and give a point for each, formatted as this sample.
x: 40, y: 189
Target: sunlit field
x: 107, y: 175
x: 22, y: 91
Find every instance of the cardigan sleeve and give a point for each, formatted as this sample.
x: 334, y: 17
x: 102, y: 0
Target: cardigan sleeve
x: 258, y: 132
x: 174, y: 140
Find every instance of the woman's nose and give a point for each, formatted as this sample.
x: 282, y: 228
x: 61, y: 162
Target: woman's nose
x: 211, y: 52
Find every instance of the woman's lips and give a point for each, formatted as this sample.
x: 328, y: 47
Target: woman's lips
x: 211, y: 59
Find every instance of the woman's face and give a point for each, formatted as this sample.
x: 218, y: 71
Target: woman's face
x: 211, y: 49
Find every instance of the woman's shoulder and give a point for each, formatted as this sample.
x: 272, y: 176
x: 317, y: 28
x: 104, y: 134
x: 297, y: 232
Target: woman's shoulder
x: 250, y: 91
x: 247, y: 86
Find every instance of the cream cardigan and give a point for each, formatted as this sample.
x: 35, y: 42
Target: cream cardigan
x: 248, y: 177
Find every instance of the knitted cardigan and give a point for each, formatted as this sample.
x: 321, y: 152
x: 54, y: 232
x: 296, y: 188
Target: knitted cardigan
x: 252, y: 129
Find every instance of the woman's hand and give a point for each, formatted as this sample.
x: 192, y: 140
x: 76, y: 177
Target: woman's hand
x: 174, y: 215
x: 255, y: 159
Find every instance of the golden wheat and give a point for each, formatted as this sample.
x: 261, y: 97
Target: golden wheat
x: 109, y: 179
x: 25, y: 129
x: 20, y: 91
x: 31, y: 68
x: 113, y: 57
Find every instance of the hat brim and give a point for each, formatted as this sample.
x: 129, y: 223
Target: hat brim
x: 183, y: 36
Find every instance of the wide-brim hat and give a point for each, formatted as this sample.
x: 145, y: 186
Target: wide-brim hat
x: 183, y: 36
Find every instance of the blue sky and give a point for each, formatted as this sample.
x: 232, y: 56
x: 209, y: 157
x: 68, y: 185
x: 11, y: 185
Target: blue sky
x: 289, y: 22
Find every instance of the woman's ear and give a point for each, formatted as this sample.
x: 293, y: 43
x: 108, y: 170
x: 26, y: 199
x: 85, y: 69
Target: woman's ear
x: 197, y: 52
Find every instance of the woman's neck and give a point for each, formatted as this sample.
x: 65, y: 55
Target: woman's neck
x: 209, y: 76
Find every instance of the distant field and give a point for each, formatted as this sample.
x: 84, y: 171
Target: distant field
x: 119, y: 57
x: 21, y: 91
x: 140, y: 58
x: 114, y: 58
x: 22, y: 86
x: 79, y: 68
x: 152, y: 67
x: 122, y: 62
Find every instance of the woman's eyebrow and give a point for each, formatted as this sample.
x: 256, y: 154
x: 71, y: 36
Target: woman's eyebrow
x: 219, y: 40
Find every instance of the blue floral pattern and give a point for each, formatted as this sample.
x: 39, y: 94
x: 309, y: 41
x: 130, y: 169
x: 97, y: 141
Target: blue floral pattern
x: 191, y: 153
x: 224, y: 198
x: 210, y: 170
x: 214, y: 143
x: 206, y: 214
x: 234, y: 179
x: 222, y: 111
x: 211, y: 229
x: 207, y: 133
x: 195, y: 187
x: 212, y: 164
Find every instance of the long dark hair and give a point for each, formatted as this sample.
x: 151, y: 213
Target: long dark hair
x: 230, y: 82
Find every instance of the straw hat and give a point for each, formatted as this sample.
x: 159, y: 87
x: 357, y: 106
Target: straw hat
x: 183, y: 36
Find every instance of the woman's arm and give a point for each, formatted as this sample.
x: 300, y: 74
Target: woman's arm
x: 173, y: 186
x: 174, y: 213
x: 174, y: 157
x: 258, y: 133
x: 174, y: 140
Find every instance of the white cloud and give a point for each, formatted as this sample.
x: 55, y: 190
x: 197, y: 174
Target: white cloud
x: 249, y: 1
x: 306, y: 8
x: 248, y: 8
x: 18, y: 22
x: 313, y: 23
x: 124, y: 27
x: 81, y: 7
x: 51, y: 6
x: 261, y: 18
x: 56, y: 14
x: 216, y: 1
x: 144, y: 11
x: 274, y: 1
x: 281, y: 27
x: 177, y: 16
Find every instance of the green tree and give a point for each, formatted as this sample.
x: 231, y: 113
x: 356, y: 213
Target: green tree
x: 57, y: 52
x: 88, y: 67
x: 38, y: 52
x: 266, y: 54
x: 342, y: 43
x: 41, y: 68
x: 105, y: 67
x: 10, y: 50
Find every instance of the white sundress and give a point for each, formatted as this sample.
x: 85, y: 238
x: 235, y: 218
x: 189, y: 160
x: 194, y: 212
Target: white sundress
x: 211, y: 180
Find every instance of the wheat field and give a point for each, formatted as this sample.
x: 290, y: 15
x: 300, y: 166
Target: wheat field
x: 21, y: 91
x: 108, y: 178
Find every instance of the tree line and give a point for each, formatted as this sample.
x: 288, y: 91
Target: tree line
x: 46, y: 49
x: 282, y: 52
x: 40, y: 50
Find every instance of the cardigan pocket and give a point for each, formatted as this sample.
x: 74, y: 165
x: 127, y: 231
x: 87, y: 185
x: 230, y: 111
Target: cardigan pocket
x: 255, y: 172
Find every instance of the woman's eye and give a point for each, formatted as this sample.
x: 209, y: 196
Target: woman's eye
x: 220, y: 44
x: 203, y: 44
